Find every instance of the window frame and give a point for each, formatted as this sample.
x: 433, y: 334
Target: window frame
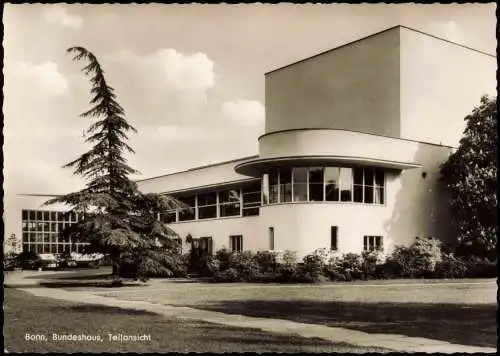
x: 373, y: 243
x: 238, y: 239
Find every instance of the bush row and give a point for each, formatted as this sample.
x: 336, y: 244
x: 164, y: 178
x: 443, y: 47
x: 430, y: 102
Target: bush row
x: 423, y: 259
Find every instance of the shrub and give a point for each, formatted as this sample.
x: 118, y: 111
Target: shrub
x: 246, y: 265
x: 419, y: 259
x: 200, y: 263
x: 481, y: 268
x: 345, y: 268
x: 371, y: 262
x: 311, y: 269
x: 224, y: 257
x: 227, y: 276
x: 267, y: 261
x: 287, y: 270
x: 451, y: 267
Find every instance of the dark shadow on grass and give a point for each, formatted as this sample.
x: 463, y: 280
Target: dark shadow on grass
x: 96, y: 284
x: 456, y: 323
x: 102, y: 309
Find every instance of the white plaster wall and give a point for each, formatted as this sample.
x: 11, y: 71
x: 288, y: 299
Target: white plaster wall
x: 440, y: 84
x: 340, y: 143
x: 354, y: 87
x: 195, y: 178
x: 305, y: 227
x: 220, y: 230
x: 419, y: 205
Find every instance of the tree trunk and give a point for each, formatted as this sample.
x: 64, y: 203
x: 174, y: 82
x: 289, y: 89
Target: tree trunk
x: 116, y: 271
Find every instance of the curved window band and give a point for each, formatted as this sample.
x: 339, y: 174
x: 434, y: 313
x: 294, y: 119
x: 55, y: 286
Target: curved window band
x: 314, y: 184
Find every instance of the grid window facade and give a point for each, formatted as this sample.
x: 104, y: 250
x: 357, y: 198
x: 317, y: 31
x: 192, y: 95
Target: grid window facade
x: 241, y: 201
x: 41, y: 231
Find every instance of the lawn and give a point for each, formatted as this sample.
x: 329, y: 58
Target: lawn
x: 27, y: 314
x: 463, y: 313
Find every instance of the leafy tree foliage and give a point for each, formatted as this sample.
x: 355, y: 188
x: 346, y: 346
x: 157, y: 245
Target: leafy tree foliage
x: 118, y: 220
x: 471, y: 176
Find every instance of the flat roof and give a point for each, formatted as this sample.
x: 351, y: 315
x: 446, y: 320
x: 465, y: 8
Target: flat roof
x: 199, y: 167
x: 376, y: 34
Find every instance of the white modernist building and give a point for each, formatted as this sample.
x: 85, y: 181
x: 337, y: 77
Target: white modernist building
x: 350, y: 158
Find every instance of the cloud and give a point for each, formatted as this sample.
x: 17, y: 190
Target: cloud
x: 243, y: 112
x: 166, y: 86
x: 172, y: 133
x: 44, y: 78
x: 56, y: 14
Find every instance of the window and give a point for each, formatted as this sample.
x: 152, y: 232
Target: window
x: 333, y: 238
x: 369, y: 186
x: 379, y: 187
x: 316, y: 184
x: 273, y: 186
x: 299, y: 177
x: 271, y: 238
x: 25, y: 214
x: 207, y: 205
x: 346, y: 182
x: 236, y: 243
x: 229, y: 203
x: 205, y: 244
x: 251, y: 197
x: 187, y: 214
x: 265, y: 188
x: 332, y: 178
x: 357, y: 175
x: 285, y: 185
x: 372, y: 243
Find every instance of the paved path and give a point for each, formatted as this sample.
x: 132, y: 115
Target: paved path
x: 399, y: 343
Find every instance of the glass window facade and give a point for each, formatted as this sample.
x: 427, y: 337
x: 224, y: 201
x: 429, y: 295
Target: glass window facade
x: 187, y: 214
x: 251, y: 197
x: 317, y: 184
x: 41, y: 232
x: 230, y: 203
x: 243, y: 200
x: 207, y: 205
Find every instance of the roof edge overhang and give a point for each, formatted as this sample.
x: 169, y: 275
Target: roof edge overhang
x: 257, y: 167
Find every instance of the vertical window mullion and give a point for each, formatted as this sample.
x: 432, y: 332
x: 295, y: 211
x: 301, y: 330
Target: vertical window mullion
x: 374, y: 185
x: 324, y: 183
x: 307, y: 184
x: 279, y: 186
x: 217, y: 204
x: 363, y: 187
x: 196, y: 206
x: 241, y: 202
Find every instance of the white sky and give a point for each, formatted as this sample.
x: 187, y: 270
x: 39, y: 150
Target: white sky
x: 190, y: 77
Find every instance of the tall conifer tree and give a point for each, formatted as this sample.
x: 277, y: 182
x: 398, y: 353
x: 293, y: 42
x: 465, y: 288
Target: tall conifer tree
x: 118, y: 219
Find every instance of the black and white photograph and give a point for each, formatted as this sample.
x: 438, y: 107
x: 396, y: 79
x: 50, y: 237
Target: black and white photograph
x: 230, y: 178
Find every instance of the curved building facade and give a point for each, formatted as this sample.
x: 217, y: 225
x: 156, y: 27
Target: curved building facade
x: 349, y: 161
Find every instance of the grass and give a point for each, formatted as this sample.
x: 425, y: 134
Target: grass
x: 27, y: 314
x: 454, y: 312
x: 455, y: 323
